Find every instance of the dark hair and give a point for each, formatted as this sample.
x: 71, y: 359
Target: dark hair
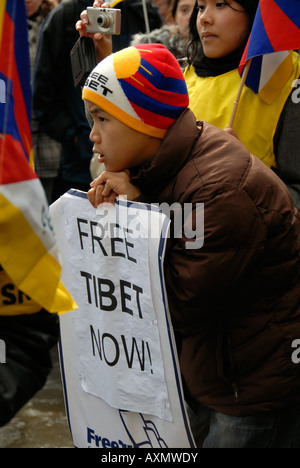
x: 194, y: 47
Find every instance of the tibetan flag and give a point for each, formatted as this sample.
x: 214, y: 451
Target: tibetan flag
x: 275, y: 34
x: 28, y: 249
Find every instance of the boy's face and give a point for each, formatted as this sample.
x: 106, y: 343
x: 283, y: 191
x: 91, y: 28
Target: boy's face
x: 120, y: 147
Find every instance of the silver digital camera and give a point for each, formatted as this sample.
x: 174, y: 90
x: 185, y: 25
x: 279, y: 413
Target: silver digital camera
x: 104, y: 20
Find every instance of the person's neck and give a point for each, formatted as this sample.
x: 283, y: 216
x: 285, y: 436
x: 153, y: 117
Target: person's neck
x: 214, y: 67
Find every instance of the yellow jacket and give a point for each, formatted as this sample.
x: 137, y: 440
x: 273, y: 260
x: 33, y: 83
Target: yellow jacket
x: 212, y: 99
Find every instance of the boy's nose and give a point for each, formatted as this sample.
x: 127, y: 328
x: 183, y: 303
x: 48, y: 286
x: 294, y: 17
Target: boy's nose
x: 94, y: 137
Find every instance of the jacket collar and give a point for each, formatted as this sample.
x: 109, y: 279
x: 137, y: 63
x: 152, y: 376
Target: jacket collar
x: 173, y: 154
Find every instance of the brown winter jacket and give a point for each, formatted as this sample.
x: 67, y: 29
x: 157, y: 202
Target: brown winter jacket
x: 235, y: 302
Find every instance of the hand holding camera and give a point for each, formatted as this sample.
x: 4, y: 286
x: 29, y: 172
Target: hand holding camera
x: 101, y: 21
x: 102, y: 41
x: 96, y: 25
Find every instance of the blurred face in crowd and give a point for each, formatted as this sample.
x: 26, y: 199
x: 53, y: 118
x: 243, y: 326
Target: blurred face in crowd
x: 162, y: 6
x: 182, y: 16
x: 222, y: 26
x: 32, y: 6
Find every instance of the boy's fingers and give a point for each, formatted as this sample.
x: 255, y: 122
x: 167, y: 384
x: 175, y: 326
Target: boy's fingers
x: 91, y: 196
x: 107, y: 189
x: 112, y: 198
x: 99, y: 195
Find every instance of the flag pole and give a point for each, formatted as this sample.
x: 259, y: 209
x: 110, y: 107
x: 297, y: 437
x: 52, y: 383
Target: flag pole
x: 146, y: 19
x: 237, y: 99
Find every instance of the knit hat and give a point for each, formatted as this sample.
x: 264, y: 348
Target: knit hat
x: 142, y: 86
x: 250, y: 6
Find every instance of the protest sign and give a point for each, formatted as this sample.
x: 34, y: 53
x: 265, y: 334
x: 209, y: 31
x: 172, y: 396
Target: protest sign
x: 119, y: 366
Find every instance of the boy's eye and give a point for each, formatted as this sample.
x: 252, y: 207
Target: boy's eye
x: 102, y: 119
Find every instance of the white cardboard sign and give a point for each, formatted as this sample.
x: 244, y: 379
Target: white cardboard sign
x: 119, y: 365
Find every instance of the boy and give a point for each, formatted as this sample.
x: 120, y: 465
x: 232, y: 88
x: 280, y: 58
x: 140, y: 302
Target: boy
x: 234, y: 303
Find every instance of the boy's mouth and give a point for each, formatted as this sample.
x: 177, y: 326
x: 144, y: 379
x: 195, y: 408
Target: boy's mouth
x: 100, y: 158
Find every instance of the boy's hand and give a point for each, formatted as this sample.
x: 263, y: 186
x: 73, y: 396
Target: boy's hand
x: 103, y: 42
x: 109, y: 185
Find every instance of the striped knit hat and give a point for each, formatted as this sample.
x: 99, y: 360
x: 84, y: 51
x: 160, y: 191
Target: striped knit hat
x: 142, y: 86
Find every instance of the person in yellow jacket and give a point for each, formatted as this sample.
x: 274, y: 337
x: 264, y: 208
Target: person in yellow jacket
x: 266, y: 125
